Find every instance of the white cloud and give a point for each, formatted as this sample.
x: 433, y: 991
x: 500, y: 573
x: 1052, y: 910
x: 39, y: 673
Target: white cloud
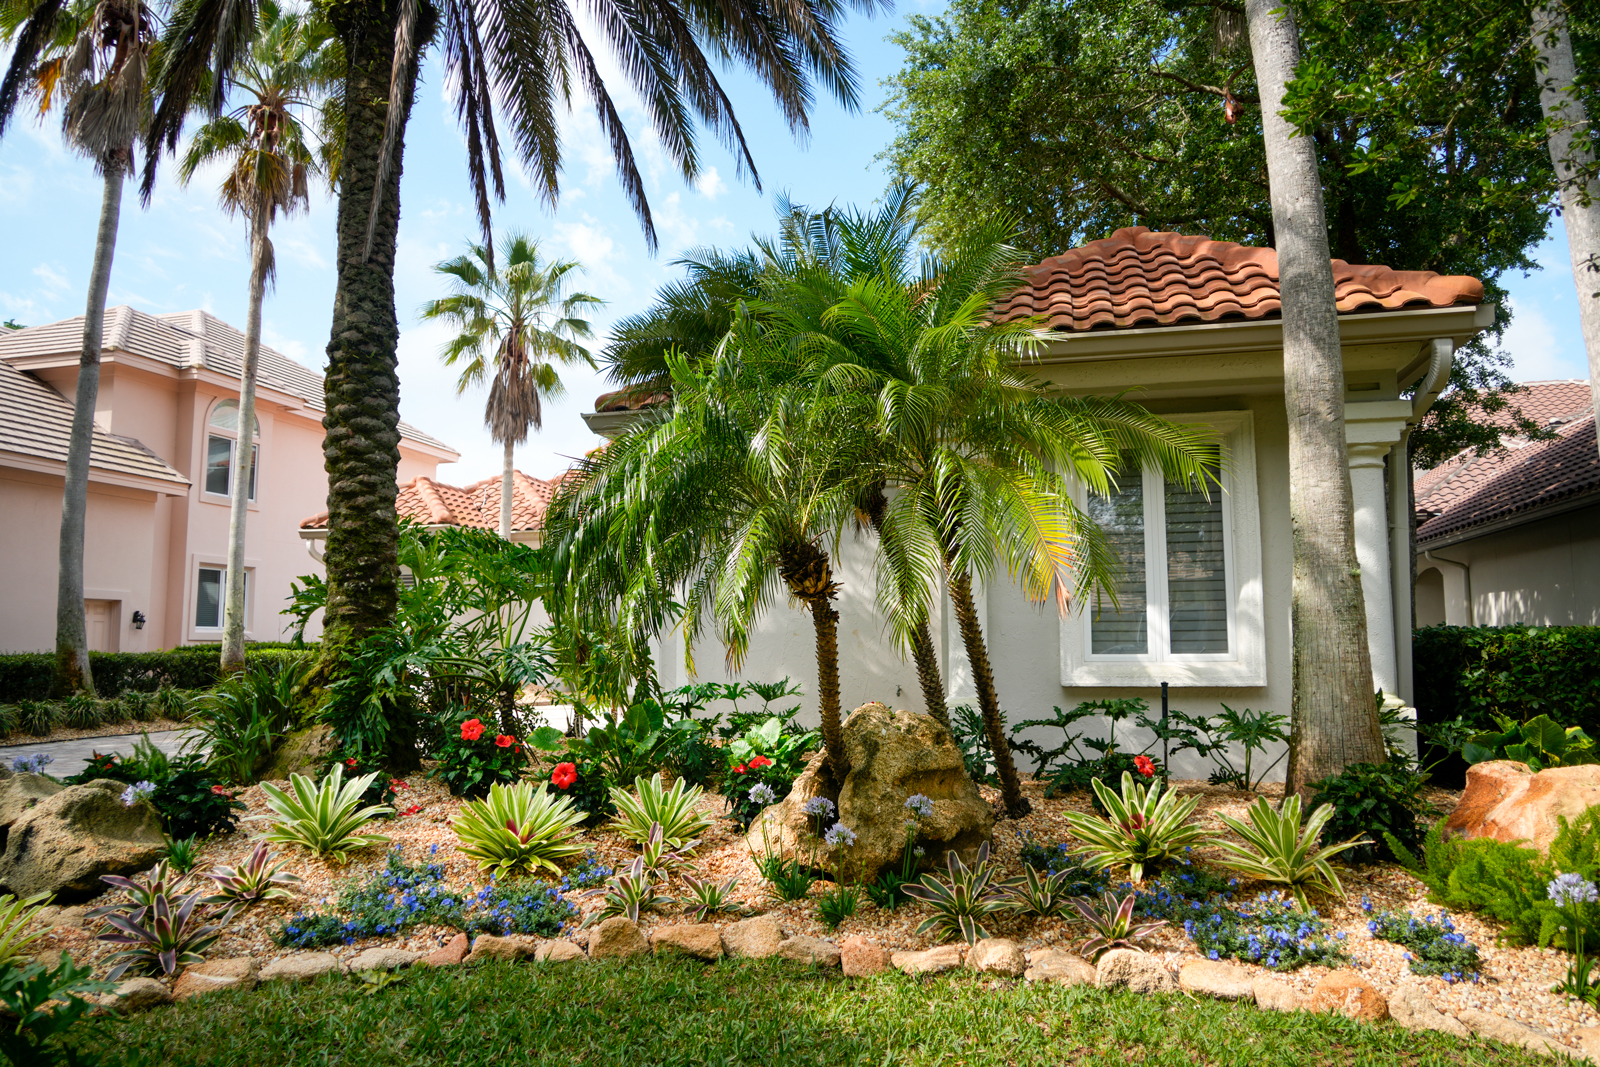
x: 710, y: 184
x: 1535, y: 347
x: 53, y: 279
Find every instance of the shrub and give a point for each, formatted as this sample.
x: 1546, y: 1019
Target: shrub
x: 1377, y: 800
x: 189, y: 799
x: 518, y: 829
x: 1519, y: 671
x: 28, y: 675
x: 1143, y: 826
x: 257, y: 880
x: 38, y: 717
x: 652, y: 804
x: 1111, y: 924
x: 240, y: 721
x: 583, y: 782
x: 45, y: 1003
x: 1540, y: 742
x: 690, y: 752
x: 475, y: 758
x: 1279, y: 850
x: 19, y: 927
x: 1437, y: 949
x: 325, y: 817
x: 961, y: 904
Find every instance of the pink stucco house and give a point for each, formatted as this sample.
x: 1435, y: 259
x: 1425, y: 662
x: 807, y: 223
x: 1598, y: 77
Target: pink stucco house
x: 167, y: 432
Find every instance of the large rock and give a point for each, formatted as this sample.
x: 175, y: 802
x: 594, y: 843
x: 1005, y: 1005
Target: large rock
x: 384, y: 958
x: 1058, y: 965
x: 860, y: 958
x: 493, y: 947
x: 448, y: 955
x: 21, y: 793
x: 893, y: 755
x: 701, y: 941
x: 1350, y: 995
x: 212, y: 975
x: 803, y: 949
x: 66, y: 841
x: 757, y: 938
x: 304, y: 752
x: 1507, y: 801
x: 136, y: 994
x: 1410, y: 1007
x: 928, y: 961
x: 301, y: 967
x: 997, y: 955
x: 618, y: 937
x: 1497, y: 1028
x: 559, y: 952
x: 1274, y: 995
x: 1140, y: 972
x: 1213, y: 978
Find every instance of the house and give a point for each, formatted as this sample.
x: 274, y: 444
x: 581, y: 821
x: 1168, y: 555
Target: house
x: 166, y: 437
x: 1192, y: 328
x: 436, y: 505
x: 1514, y: 536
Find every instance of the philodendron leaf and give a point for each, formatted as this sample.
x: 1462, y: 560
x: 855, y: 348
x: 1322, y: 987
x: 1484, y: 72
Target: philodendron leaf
x: 1545, y: 733
x: 769, y: 731
x: 548, y: 739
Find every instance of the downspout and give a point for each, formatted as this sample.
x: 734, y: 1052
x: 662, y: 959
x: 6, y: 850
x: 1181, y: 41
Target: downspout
x: 1402, y: 550
x: 1466, y: 579
x: 313, y: 548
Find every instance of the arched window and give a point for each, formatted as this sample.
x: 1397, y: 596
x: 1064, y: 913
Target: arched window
x: 222, y: 443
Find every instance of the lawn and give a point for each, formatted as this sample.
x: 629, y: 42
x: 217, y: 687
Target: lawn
x: 764, y: 1014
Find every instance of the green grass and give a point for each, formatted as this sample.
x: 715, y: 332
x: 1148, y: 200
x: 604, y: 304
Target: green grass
x: 762, y: 1014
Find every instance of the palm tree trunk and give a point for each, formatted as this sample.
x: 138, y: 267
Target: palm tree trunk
x: 72, y: 672
x: 244, y: 453
x: 1334, y: 720
x: 505, y: 495
x: 988, y: 700
x: 362, y: 388
x: 929, y: 677
x: 808, y: 572
x: 1574, y: 162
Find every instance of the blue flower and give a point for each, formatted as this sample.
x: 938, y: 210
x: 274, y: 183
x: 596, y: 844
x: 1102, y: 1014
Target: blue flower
x: 1213, y: 954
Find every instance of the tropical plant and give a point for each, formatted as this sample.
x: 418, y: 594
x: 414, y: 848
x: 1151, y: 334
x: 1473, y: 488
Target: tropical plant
x: 473, y: 759
x: 707, y: 897
x: 660, y: 859
x: 45, y: 1004
x: 516, y: 322
x: 1540, y: 742
x: 1044, y: 893
x: 1143, y: 826
x: 1111, y: 923
x: 517, y: 828
x: 93, y: 58
x: 625, y: 747
x: 674, y: 811
x: 836, y: 905
x: 628, y: 892
x: 325, y: 817
x: 1279, y: 850
x: 236, y: 724
x: 159, y: 923
x: 181, y: 853
x: 19, y: 926
x: 1382, y: 801
x: 787, y: 878
x: 961, y: 904
x: 257, y: 880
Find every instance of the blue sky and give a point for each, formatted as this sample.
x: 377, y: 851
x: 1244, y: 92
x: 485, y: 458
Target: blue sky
x: 183, y: 252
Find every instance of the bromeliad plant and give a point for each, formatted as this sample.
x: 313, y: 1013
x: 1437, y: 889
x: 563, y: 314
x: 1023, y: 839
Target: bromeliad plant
x: 519, y: 829
x: 708, y: 898
x: 652, y: 804
x: 257, y: 880
x: 1279, y: 850
x: 325, y: 818
x: 1145, y: 825
x: 659, y: 860
x: 628, y: 892
x: 961, y: 904
x: 1112, y: 925
x: 1042, y: 893
x: 158, y: 923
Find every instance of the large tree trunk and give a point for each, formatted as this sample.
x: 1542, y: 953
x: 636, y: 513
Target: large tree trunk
x: 1334, y: 720
x: 808, y: 572
x: 244, y: 453
x: 1575, y: 169
x: 994, y: 723
x: 72, y: 672
x: 505, y: 495
x: 361, y: 450
x: 923, y: 653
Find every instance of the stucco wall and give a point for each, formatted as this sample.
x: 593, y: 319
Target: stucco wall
x: 1544, y: 573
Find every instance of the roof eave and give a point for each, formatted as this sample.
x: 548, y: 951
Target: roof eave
x: 40, y: 465
x: 1581, y: 499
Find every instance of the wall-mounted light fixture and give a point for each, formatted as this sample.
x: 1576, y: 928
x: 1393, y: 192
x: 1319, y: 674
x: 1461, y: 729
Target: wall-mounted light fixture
x: 138, y: 620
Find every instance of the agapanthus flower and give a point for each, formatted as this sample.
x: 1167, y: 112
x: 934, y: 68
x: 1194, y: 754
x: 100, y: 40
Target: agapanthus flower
x: 818, y: 806
x: 137, y: 792
x: 32, y: 764
x: 1572, y: 889
x: 840, y: 834
x: 919, y: 805
x: 763, y: 794
x: 471, y: 730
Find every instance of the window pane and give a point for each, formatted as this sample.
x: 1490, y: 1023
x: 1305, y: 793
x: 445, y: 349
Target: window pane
x: 208, y: 599
x: 1197, y: 579
x: 225, y: 416
x: 219, y: 457
x: 1121, y: 516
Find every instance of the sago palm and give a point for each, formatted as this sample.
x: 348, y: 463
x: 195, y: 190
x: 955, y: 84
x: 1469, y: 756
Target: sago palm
x: 270, y: 156
x: 503, y: 64
x: 515, y: 323
x: 91, y: 58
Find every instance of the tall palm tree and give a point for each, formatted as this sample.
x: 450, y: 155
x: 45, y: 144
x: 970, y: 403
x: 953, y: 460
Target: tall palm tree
x: 1334, y: 722
x: 270, y: 156
x: 523, y: 62
x: 514, y: 321
x: 92, y: 58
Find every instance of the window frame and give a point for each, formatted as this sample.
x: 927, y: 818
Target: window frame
x: 1245, y: 662
x: 222, y: 599
x: 232, y: 437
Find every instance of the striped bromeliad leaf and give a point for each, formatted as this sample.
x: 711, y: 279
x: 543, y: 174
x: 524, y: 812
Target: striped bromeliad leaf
x: 1277, y: 849
x: 961, y: 904
x: 325, y: 817
x: 517, y: 828
x: 1144, y: 826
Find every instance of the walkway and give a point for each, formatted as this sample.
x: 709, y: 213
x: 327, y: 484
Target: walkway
x: 71, y: 755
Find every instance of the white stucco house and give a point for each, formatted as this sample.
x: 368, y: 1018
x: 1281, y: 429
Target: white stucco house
x: 1191, y: 328
x: 160, y: 475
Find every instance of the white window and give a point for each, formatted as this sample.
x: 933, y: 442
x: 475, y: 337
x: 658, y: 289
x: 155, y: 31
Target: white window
x: 211, y: 592
x: 1188, y: 608
x: 222, y: 447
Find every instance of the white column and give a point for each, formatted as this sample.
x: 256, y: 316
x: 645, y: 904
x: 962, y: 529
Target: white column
x: 1372, y: 553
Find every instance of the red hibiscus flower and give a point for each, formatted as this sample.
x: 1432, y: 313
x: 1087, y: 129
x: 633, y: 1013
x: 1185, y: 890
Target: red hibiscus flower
x: 739, y: 769
x: 396, y: 784
x: 564, y: 775
x: 758, y: 762
x: 1143, y: 765
x: 351, y: 762
x: 221, y: 791
x: 504, y: 740
x: 471, y: 730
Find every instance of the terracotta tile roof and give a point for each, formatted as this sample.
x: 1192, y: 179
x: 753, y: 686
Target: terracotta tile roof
x: 632, y: 398
x: 181, y: 339
x: 1139, y: 277
x: 435, y: 503
x: 1470, y: 490
x: 36, y: 421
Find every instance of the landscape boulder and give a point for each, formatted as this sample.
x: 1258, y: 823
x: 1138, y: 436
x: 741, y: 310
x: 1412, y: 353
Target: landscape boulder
x: 803, y: 949
x: 1140, y: 972
x: 1410, y: 1007
x: 384, y: 958
x: 1507, y: 801
x: 492, y: 947
x: 1498, y: 1028
x: 755, y: 939
x: 559, y: 952
x: 448, y: 955
x: 928, y: 961
x: 860, y: 958
x: 1274, y: 995
x: 1213, y: 978
x: 21, y: 793
x: 1350, y: 995
x: 63, y: 843
x: 212, y: 975
x: 301, y: 967
x: 136, y: 994
x: 997, y: 955
x: 617, y: 938
x: 701, y: 941
x: 1058, y: 965
x: 893, y: 755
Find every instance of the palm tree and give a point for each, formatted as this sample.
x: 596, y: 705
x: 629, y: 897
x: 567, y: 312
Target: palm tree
x: 523, y: 62
x: 1334, y: 721
x: 514, y: 320
x: 270, y: 158
x: 93, y: 58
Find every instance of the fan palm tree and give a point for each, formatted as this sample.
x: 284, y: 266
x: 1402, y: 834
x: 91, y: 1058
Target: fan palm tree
x: 514, y: 321
x: 270, y: 157
x: 91, y: 58
x: 524, y: 63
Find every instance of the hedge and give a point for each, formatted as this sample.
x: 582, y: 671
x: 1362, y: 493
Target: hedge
x: 26, y: 675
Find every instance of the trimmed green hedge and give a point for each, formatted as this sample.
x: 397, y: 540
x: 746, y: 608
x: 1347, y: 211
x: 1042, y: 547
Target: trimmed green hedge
x: 26, y: 675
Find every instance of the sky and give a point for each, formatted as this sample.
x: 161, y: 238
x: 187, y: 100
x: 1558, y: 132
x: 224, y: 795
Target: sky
x: 184, y: 252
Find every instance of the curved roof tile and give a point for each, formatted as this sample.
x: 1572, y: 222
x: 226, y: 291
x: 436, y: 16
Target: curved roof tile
x: 435, y: 503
